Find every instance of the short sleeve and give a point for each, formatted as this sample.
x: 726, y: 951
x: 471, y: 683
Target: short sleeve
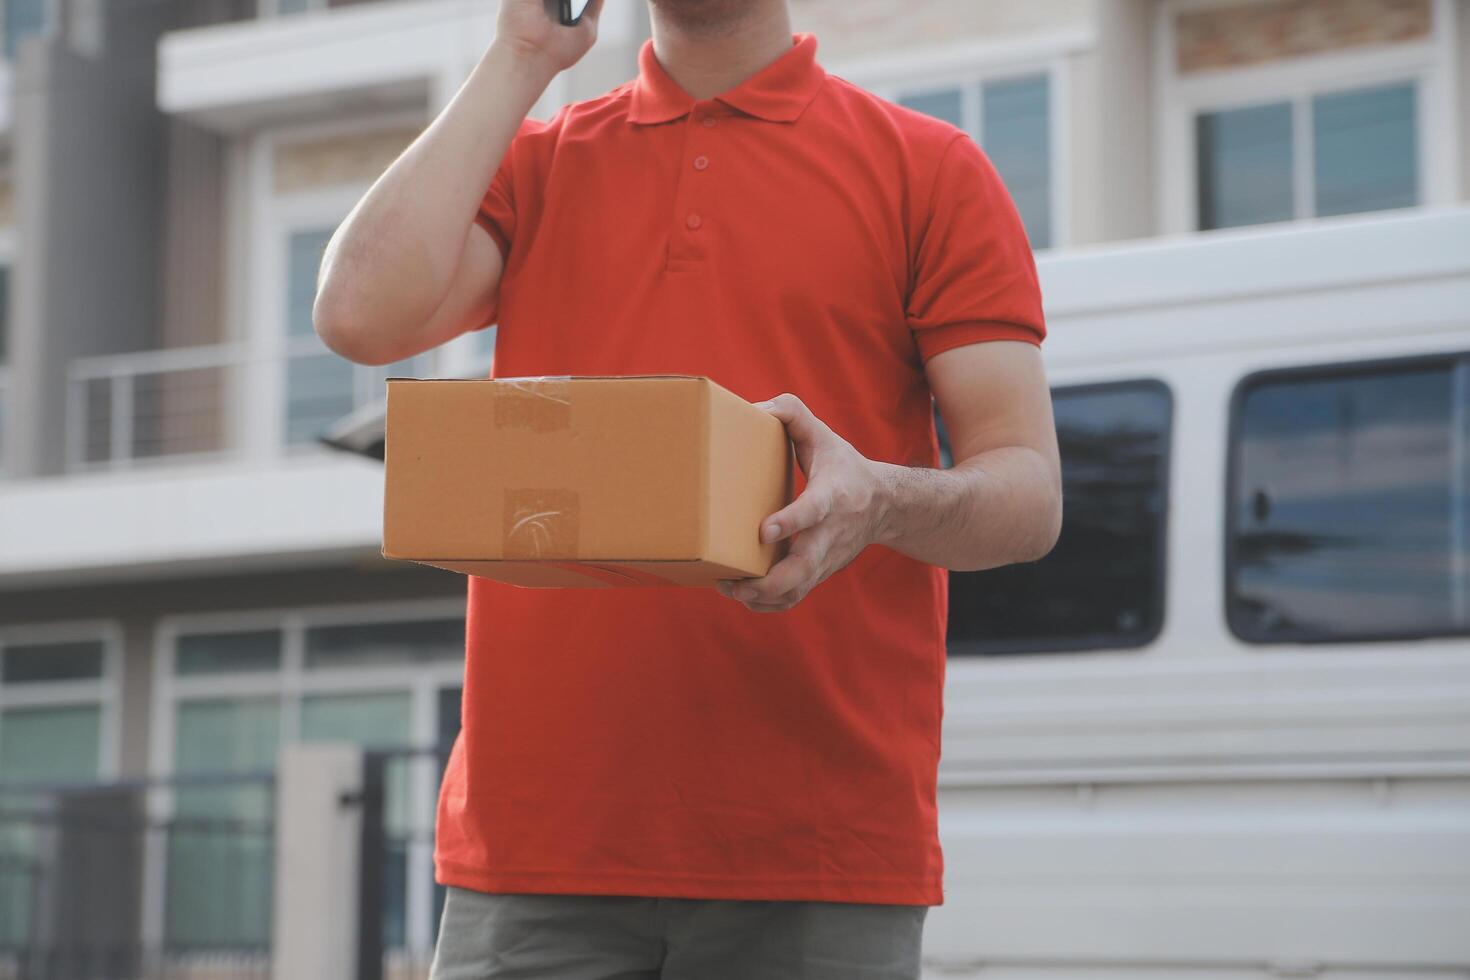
x: 973, y: 277
x: 497, y: 213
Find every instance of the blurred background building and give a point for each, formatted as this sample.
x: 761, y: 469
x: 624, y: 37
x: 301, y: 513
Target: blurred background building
x: 1222, y: 732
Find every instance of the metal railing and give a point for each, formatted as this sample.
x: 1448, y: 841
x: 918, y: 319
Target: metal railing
x: 200, y: 404
x: 127, y: 408
x: 399, y: 903
x: 138, y: 880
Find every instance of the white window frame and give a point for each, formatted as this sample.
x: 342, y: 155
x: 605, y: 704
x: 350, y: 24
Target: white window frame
x: 970, y: 66
x: 103, y: 693
x: 289, y: 685
x: 272, y: 218
x: 1428, y: 64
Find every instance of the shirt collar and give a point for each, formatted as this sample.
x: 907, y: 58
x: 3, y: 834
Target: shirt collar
x: 779, y: 92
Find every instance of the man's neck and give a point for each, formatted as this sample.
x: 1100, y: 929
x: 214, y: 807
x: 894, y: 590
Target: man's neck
x: 709, y: 58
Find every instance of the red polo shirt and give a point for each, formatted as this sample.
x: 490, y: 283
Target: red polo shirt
x: 794, y: 234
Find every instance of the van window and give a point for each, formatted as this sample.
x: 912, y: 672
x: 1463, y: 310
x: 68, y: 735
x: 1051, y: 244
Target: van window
x: 1349, y: 502
x: 1102, y: 587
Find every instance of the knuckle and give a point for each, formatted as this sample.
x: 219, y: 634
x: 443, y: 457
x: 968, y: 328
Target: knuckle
x: 792, y: 402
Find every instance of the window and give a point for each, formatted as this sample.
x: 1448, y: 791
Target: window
x: 1011, y: 119
x: 1245, y: 166
x: 1349, y: 502
x: 228, y: 653
x: 23, y: 19
x: 1334, y: 153
x: 216, y: 736
x: 361, y: 644
x: 322, y: 388
x: 319, y: 384
x: 1365, y: 156
x: 51, y: 709
x: 1102, y: 587
x: 22, y: 663
x: 236, y: 694
x: 54, y: 694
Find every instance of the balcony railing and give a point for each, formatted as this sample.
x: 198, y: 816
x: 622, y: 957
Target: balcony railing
x: 205, y: 404
x: 135, y: 407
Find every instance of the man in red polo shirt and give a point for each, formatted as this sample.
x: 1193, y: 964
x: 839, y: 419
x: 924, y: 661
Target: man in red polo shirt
x: 737, y: 783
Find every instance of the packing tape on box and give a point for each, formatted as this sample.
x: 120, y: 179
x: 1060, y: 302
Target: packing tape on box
x: 536, y: 404
x: 539, y: 523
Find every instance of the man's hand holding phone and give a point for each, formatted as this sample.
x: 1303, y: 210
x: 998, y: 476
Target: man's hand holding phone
x: 534, y: 30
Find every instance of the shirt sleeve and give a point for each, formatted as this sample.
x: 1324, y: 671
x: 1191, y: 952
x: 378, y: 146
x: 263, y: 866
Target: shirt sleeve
x: 497, y: 212
x: 974, y: 278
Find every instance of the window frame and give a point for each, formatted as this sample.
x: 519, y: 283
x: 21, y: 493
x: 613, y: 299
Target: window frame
x: 103, y: 692
x: 1239, y: 392
x: 1428, y: 64
x: 967, y: 68
x: 1098, y: 643
x: 289, y: 685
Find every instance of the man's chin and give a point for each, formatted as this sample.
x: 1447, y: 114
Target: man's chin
x: 704, y: 16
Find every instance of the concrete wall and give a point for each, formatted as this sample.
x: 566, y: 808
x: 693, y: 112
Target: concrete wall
x: 1112, y: 159
x: 1462, y: 58
x: 89, y: 177
x: 864, y: 28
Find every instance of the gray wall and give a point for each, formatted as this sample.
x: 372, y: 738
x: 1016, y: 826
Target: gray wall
x: 1113, y: 101
x: 89, y: 178
x: 1462, y: 57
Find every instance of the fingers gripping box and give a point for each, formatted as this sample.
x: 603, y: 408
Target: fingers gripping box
x: 582, y: 482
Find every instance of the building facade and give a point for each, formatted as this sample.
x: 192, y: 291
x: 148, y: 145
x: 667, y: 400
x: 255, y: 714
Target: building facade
x: 1224, y: 731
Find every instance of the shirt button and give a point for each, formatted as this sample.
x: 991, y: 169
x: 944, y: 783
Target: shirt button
x: 693, y: 221
x: 701, y: 163
x: 708, y: 122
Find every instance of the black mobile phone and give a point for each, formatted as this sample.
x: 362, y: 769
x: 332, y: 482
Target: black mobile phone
x: 572, y: 10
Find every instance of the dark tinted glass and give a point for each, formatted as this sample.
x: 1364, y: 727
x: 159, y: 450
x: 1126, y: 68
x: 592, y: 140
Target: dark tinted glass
x: 367, y: 644
x: 1366, y: 150
x: 1349, y: 510
x: 227, y: 653
x: 1244, y: 166
x: 1102, y: 586
x: 37, y: 662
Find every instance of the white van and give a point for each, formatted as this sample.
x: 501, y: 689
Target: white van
x: 1223, y: 731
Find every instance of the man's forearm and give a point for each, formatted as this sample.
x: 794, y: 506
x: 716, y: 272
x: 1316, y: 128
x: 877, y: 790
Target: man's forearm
x: 997, y: 508
x: 391, y: 262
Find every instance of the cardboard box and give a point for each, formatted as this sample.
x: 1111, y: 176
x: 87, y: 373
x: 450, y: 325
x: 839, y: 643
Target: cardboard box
x: 582, y: 482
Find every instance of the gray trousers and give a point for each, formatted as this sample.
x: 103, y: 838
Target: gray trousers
x: 595, y: 937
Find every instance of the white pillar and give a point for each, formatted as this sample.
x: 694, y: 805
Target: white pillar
x: 315, y: 920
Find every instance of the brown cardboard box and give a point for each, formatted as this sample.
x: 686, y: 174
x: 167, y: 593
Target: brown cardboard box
x: 582, y: 482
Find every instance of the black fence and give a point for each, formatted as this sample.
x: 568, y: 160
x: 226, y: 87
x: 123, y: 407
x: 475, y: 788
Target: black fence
x: 137, y: 880
x: 399, y: 903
